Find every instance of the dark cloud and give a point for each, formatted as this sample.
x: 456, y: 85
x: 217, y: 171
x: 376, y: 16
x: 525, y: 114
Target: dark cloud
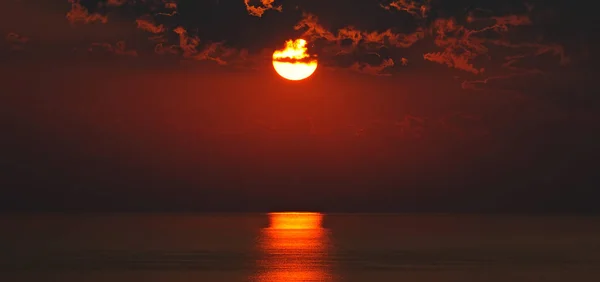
x: 79, y: 14
x: 472, y: 39
x: 415, y: 8
x: 262, y: 7
x: 149, y: 26
x: 119, y: 48
x: 373, y: 69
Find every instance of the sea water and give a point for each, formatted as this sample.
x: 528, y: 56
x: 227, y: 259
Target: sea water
x: 298, y: 247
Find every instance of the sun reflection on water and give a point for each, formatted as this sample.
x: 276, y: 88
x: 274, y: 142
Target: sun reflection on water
x: 295, y: 248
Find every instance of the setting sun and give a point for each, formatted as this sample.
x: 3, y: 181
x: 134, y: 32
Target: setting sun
x: 293, y: 62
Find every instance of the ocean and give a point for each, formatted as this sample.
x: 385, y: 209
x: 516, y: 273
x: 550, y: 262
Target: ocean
x: 298, y: 247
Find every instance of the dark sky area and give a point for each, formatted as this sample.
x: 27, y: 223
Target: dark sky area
x: 165, y: 105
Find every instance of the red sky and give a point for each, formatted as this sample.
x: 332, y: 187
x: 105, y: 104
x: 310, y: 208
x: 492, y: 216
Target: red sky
x: 104, y: 116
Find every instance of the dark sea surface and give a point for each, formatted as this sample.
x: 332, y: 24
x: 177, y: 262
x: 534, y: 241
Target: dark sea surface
x: 298, y: 247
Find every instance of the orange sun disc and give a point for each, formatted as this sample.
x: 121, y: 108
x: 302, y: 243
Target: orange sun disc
x: 293, y: 62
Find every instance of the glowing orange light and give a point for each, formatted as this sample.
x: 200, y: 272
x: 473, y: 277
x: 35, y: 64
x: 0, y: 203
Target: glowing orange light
x: 293, y: 62
x: 300, y: 245
x: 295, y: 220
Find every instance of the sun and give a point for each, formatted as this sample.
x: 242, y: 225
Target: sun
x: 293, y: 62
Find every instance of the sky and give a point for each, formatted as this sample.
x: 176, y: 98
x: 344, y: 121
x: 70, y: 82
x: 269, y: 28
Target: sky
x: 429, y: 106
